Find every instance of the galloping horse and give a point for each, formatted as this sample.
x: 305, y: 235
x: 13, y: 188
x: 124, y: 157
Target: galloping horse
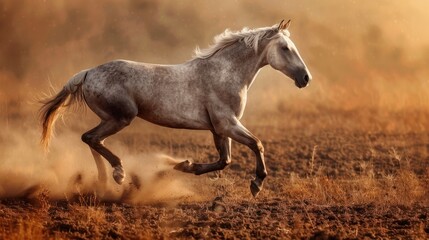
x: 208, y: 92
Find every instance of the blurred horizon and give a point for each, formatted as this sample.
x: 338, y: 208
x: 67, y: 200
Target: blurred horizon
x: 361, y: 54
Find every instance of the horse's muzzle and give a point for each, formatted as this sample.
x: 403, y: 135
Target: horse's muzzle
x: 303, y: 81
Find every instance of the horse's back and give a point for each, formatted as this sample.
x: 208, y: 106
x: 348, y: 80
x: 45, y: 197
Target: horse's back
x: 162, y: 94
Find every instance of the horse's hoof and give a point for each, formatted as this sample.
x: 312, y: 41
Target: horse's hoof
x: 255, y: 187
x: 185, y: 166
x: 119, y: 174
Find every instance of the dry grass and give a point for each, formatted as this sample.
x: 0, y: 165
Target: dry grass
x: 402, y: 188
x: 26, y: 229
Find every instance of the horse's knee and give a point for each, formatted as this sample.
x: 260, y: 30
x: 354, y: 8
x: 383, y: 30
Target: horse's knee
x: 260, y: 147
x: 257, y: 146
x: 126, y: 121
x: 86, y: 138
x: 89, y: 139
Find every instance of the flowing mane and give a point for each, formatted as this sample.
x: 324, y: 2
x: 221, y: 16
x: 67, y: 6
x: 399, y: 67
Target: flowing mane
x: 250, y: 37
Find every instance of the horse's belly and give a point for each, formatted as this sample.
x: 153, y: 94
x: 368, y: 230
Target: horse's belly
x: 187, y: 117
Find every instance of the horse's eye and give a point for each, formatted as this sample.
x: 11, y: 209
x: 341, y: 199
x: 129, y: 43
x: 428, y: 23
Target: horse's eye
x: 285, y: 48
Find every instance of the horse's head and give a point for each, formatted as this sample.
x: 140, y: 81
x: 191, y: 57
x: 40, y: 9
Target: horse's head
x: 283, y: 55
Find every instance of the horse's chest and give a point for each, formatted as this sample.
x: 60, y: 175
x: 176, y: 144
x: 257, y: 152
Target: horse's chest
x: 241, y: 105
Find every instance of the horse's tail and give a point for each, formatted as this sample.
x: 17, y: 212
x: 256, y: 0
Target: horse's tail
x: 51, y: 109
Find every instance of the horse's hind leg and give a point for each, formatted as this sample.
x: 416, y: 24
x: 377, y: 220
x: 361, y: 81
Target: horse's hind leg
x: 94, y: 138
x: 223, y: 146
x: 102, y: 174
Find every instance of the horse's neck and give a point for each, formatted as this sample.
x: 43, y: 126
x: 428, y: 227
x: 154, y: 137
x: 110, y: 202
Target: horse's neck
x: 239, y: 63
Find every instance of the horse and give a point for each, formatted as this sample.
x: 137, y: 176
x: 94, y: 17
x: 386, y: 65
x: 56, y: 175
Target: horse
x: 208, y: 92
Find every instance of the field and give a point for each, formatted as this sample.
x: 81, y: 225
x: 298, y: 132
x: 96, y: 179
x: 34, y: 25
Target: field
x: 328, y: 179
x: 347, y: 157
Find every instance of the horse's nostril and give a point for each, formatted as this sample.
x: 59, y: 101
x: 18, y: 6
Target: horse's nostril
x: 306, y: 78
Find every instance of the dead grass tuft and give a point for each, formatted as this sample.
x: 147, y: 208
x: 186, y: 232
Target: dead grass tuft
x: 401, y: 188
x: 26, y: 229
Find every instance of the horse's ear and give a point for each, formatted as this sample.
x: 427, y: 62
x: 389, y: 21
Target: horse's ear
x: 283, y: 25
x: 287, y: 24
x: 280, y: 25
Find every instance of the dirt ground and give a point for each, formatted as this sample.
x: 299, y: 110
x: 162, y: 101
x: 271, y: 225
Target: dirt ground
x: 344, y: 176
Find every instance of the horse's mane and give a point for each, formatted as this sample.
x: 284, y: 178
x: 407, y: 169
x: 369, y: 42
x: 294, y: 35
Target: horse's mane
x: 250, y: 37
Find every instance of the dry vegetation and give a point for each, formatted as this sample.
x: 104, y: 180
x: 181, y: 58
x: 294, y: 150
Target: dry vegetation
x: 347, y: 157
x: 325, y: 181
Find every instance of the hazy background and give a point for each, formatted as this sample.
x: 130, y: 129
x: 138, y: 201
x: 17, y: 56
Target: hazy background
x: 367, y: 58
x: 371, y: 52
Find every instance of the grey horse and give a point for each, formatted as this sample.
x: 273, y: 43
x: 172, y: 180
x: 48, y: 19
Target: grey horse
x: 208, y: 92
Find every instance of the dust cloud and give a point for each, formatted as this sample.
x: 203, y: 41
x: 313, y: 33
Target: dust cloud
x: 380, y: 49
x: 69, y: 171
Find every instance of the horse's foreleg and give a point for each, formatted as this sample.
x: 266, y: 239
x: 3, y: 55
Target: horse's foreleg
x: 223, y: 146
x: 94, y: 138
x: 235, y: 130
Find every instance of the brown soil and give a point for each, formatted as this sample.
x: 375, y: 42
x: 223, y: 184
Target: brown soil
x: 326, y: 181
x: 275, y: 218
